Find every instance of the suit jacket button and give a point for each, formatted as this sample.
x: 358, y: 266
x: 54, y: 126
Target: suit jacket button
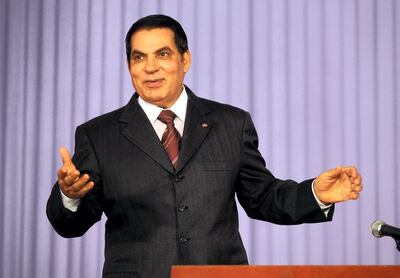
x: 178, y: 178
x: 183, y: 239
x: 182, y: 208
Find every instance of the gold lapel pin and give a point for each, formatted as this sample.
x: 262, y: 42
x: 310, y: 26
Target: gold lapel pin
x: 204, y: 125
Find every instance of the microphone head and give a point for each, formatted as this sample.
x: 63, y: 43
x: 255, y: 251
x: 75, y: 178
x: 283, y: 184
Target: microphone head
x: 376, y: 228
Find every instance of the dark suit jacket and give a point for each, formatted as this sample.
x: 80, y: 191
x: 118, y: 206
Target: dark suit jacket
x: 158, y: 217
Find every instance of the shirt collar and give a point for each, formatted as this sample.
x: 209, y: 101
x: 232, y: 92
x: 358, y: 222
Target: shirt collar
x: 179, y: 107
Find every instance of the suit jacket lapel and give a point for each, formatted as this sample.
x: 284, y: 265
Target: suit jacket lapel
x: 198, y: 124
x: 139, y: 131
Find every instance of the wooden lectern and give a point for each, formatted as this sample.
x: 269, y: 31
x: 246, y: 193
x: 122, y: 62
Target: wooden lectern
x: 332, y: 271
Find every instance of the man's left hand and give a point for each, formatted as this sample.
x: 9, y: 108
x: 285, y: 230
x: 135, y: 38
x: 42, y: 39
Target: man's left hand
x: 339, y: 184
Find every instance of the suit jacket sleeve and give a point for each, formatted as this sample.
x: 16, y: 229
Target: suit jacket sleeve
x: 74, y: 224
x: 265, y: 197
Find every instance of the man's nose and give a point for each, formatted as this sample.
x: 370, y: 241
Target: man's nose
x: 152, y: 65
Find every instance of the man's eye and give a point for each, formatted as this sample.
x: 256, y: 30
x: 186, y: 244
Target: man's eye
x: 163, y: 54
x: 137, y: 57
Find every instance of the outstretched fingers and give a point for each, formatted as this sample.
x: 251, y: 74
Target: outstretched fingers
x: 70, y: 180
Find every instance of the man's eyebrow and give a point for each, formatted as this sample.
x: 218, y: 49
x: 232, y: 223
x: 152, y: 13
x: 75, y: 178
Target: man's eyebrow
x: 135, y: 52
x: 165, y: 48
x: 138, y: 52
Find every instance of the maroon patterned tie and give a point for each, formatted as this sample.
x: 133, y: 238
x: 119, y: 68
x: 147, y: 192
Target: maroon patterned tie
x: 171, y: 136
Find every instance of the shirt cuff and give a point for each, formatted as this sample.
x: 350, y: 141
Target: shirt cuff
x: 325, y: 208
x: 69, y: 203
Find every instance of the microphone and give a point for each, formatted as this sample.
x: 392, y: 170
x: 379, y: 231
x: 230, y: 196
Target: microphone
x: 380, y: 229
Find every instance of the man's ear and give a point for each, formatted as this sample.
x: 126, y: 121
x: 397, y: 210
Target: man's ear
x: 187, y: 60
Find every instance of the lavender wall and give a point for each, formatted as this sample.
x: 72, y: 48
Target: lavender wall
x: 320, y: 78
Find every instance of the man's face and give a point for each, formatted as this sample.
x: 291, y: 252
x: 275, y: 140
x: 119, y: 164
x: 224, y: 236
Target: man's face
x: 157, y: 68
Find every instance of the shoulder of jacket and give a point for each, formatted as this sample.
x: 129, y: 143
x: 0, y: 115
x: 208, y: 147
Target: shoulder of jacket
x: 220, y: 108
x: 104, y: 120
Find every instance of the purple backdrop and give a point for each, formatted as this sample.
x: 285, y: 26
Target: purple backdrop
x: 320, y: 78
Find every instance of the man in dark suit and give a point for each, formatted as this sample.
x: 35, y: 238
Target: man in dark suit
x: 167, y: 183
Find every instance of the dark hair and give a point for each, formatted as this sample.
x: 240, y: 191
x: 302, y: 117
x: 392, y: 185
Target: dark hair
x: 158, y: 21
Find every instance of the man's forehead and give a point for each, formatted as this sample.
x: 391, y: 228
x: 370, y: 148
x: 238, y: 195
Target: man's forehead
x: 152, y: 39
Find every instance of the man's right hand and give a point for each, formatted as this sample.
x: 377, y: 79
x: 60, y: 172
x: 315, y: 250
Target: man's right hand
x: 72, y: 184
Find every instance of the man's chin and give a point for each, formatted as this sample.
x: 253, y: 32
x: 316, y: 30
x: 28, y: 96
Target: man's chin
x: 156, y: 100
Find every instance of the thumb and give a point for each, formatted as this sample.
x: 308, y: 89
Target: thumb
x: 335, y: 172
x: 66, y: 158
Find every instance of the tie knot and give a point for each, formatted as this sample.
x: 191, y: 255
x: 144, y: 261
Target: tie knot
x: 167, y: 116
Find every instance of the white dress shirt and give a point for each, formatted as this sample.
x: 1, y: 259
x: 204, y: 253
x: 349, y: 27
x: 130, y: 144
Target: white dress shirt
x: 179, y: 108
